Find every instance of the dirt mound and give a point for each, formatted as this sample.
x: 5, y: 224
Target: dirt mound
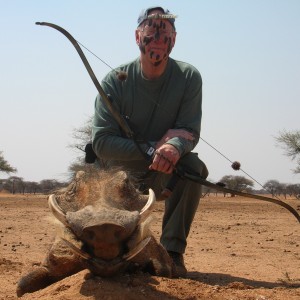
x: 82, y: 286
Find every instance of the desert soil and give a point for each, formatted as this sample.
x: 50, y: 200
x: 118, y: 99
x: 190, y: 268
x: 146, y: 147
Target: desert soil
x: 238, y: 248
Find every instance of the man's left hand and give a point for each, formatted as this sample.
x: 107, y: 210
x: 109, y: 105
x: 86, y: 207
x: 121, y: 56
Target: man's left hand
x: 165, y: 159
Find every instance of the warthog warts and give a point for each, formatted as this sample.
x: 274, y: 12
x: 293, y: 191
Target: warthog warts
x: 105, y: 229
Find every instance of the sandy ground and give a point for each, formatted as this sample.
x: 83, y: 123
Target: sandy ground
x: 238, y: 249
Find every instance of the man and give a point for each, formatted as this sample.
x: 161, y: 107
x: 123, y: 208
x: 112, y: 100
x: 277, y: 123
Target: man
x: 161, y: 99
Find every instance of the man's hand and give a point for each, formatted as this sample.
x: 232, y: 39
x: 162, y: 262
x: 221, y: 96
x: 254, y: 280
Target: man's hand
x: 165, y: 159
x: 166, y: 156
x: 174, y: 133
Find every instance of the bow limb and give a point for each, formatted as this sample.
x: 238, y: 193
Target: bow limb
x: 204, y: 182
x: 122, y: 123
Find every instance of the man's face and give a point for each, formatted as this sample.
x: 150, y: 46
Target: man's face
x: 156, y: 39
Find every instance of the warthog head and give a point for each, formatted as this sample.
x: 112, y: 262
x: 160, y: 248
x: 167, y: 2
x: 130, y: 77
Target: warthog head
x: 107, y: 219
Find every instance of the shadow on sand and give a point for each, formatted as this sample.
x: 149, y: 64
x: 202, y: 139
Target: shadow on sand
x: 226, y: 279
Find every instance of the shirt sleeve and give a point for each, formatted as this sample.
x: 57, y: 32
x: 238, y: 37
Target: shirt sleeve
x: 109, y: 142
x: 190, y: 115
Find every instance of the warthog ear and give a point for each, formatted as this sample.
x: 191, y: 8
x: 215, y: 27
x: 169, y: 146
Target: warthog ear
x: 57, y: 211
x: 147, y: 209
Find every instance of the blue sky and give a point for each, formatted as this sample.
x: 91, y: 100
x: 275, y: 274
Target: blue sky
x: 248, y: 53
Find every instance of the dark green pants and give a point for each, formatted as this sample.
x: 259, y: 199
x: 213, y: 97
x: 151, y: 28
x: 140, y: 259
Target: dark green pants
x: 181, y: 206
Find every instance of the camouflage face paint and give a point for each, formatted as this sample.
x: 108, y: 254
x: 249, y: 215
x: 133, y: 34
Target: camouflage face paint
x: 143, y: 43
x: 147, y: 40
x: 157, y: 35
x: 170, y: 46
x: 160, y: 34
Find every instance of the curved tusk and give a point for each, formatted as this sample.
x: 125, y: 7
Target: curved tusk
x: 134, y: 252
x: 57, y: 211
x: 147, y: 209
x: 76, y: 250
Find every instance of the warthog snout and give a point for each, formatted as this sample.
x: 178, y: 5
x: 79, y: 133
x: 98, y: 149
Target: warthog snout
x: 105, y: 241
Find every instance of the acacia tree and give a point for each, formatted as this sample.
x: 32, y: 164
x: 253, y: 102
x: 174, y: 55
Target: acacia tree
x: 293, y: 190
x: 5, y: 166
x: 273, y: 187
x: 32, y: 187
x: 14, y: 184
x: 290, y: 142
x: 50, y: 185
x: 239, y: 183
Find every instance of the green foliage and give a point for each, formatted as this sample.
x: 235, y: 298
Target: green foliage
x: 5, y: 166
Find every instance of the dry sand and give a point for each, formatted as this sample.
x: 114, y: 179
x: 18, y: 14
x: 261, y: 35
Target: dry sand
x: 238, y: 248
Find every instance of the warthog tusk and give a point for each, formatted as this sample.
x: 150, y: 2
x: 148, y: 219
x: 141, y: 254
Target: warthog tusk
x: 57, y: 211
x: 77, y: 250
x: 135, y: 251
x: 147, y: 209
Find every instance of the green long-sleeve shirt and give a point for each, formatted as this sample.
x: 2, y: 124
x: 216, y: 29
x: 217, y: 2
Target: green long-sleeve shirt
x: 152, y: 107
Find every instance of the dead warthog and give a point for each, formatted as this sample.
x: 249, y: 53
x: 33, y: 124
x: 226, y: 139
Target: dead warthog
x: 106, y: 229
